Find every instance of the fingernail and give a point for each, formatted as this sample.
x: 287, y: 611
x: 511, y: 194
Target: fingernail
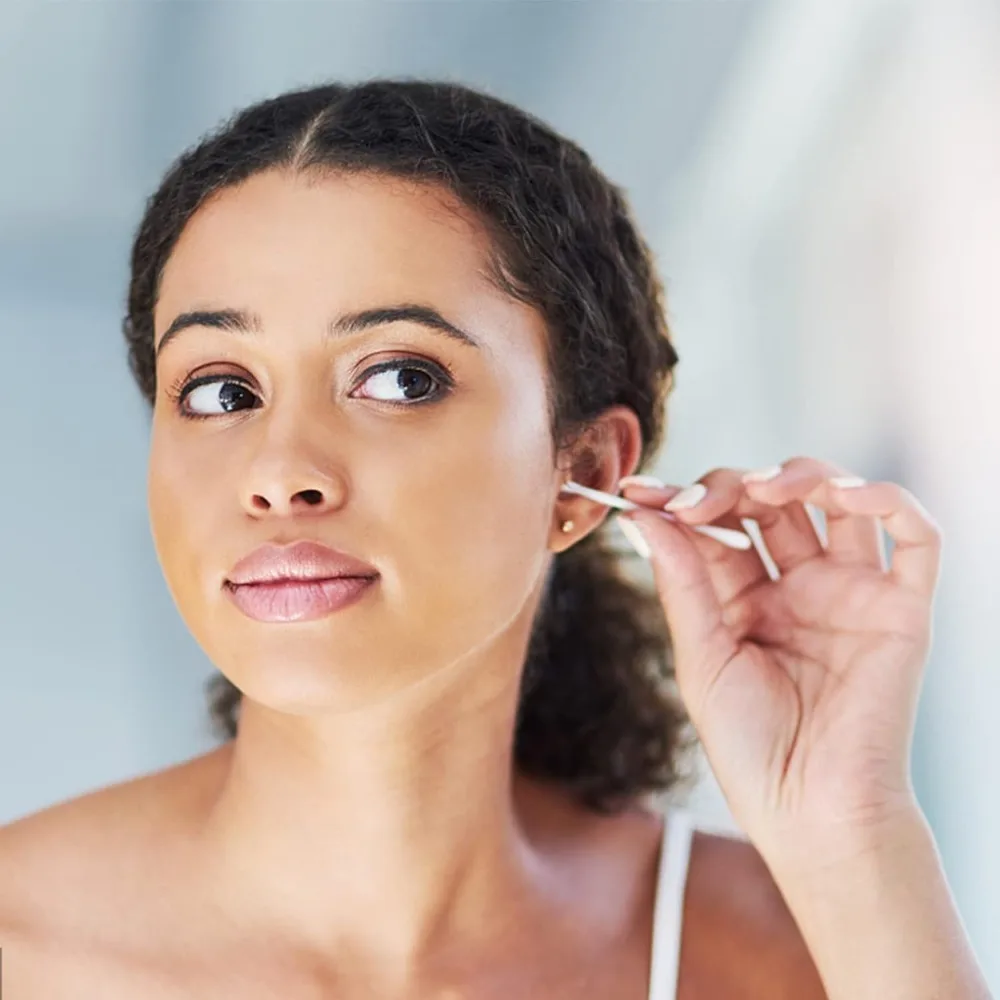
x: 688, y: 498
x: 847, y: 482
x: 634, y: 536
x: 641, y: 480
x: 763, y: 475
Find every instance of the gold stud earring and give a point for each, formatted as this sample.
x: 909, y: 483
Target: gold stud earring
x: 567, y: 526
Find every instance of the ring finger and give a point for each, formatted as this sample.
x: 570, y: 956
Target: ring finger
x: 851, y: 539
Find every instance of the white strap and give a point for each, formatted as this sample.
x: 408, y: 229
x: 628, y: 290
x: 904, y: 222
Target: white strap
x: 668, y: 911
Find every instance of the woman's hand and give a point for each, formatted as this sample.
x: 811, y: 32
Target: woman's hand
x: 803, y: 689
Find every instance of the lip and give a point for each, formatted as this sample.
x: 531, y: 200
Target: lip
x: 297, y: 582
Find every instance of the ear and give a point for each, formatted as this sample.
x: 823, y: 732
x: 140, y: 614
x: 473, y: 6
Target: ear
x: 606, y: 451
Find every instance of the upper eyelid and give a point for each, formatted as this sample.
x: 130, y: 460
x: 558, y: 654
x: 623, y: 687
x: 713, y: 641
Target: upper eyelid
x: 189, y: 384
x: 384, y: 363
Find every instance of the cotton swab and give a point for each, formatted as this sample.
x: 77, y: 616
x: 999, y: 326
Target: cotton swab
x: 728, y: 536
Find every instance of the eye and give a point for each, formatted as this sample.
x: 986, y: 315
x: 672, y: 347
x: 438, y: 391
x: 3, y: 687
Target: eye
x: 411, y: 382
x: 216, y: 394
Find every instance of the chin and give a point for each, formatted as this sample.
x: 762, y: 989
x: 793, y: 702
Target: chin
x: 306, y: 668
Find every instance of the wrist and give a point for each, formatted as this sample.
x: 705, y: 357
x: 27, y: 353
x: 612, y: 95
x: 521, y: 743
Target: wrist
x: 874, y: 907
x: 831, y: 849
x: 850, y: 862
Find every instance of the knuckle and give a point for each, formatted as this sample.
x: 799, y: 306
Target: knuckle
x: 813, y: 470
x: 935, y: 529
x: 724, y: 484
x: 716, y: 475
x: 932, y: 524
x: 802, y: 462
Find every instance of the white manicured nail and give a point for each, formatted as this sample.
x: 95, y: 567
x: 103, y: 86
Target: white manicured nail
x: 763, y: 475
x: 641, y: 480
x: 634, y: 536
x: 847, y: 482
x: 688, y: 498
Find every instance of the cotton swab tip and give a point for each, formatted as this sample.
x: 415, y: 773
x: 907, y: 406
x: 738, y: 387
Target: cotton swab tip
x: 727, y: 536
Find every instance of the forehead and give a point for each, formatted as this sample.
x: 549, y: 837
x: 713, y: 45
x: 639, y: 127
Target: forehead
x: 328, y: 238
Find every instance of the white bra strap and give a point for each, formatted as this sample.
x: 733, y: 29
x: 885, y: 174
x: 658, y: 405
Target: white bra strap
x: 668, y: 912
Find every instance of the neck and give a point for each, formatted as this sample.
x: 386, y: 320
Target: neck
x: 384, y: 832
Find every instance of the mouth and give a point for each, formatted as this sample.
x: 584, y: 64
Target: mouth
x: 297, y: 582
x: 297, y: 600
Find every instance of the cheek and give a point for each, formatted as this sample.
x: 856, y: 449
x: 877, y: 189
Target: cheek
x: 472, y: 520
x: 181, y: 509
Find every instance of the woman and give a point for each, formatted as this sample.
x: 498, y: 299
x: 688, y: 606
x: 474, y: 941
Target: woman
x: 447, y: 706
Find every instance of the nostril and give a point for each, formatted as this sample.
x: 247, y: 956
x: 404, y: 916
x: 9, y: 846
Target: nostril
x: 311, y: 497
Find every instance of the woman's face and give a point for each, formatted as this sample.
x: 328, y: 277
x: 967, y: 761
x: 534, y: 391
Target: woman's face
x: 424, y: 455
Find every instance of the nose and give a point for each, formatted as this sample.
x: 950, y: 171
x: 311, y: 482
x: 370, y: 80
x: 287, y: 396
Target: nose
x: 279, y: 501
x: 290, y: 486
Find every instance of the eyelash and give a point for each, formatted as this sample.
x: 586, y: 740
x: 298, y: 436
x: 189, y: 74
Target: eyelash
x: 184, y: 386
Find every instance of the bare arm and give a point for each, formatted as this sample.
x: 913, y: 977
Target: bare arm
x: 880, y: 921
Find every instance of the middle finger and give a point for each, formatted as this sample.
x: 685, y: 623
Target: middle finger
x: 787, y: 531
x: 851, y: 540
x: 733, y: 572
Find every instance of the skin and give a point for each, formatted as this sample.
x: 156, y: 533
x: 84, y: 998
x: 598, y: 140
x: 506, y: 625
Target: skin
x: 364, y: 835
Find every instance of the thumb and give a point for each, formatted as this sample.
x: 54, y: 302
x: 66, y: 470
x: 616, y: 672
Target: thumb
x: 690, y: 603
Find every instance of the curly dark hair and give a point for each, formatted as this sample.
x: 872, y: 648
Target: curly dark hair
x: 598, y: 710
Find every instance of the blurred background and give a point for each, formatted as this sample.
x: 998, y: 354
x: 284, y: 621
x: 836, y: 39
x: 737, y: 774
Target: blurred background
x: 821, y: 184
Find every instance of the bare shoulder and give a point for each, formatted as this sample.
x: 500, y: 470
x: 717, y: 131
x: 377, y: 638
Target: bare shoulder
x: 740, y: 939
x: 60, y: 866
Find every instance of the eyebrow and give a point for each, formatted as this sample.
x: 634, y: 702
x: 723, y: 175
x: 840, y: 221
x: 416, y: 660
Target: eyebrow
x: 240, y: 321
